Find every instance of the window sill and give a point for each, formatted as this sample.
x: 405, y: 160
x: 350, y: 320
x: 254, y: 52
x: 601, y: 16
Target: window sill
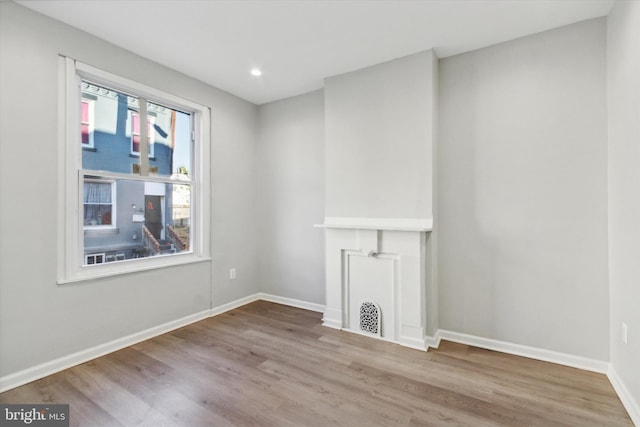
x: 92, y: 149
x: 111, y: 269
x: 101, y: 231
x: 137, y: 156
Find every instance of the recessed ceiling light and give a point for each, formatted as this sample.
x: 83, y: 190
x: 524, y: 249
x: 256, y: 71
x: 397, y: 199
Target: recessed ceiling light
x: 257, y: 72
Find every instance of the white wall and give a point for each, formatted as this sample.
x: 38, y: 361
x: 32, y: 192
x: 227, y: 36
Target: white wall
x: 291, y: 197
x: 522, y: 190
x: 379, y: 137
x: 41, y: 321
x: 623, y: 61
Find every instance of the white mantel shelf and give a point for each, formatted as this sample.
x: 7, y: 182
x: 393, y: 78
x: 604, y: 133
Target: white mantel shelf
x: 388, y: 224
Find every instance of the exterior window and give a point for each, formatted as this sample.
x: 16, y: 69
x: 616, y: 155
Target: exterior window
x: 146, y: 217
x: 140, y: 191
x: 86, y: 123
x: 135, y: 133
x: 98, y: 198
x: 92, y: 259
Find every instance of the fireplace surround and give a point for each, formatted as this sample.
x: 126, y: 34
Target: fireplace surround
x: 382, y: 261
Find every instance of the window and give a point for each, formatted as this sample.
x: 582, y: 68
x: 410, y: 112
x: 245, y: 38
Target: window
x: 86, y: 123
x: 92, y: 259
x: 98, y: 200
x: 135, y: 133
x: 141, y: 191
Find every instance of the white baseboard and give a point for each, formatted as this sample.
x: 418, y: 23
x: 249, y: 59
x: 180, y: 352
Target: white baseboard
x: 629, y: 403
x: 407, y: 342
x: 48, y: 368
x: 415, y: 343
x: 571, y: 360
x: 233, y: 304
x: 331, y: 323
x: 28, y: 375
x: 291, y: 302
x: 434, y: 341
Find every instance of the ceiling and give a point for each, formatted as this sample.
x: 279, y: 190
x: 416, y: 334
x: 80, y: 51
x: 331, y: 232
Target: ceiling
x: 298, y: 43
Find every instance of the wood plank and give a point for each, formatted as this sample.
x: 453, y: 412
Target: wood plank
x: 266, y: 364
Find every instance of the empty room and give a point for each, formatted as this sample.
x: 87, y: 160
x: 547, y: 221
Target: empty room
x: 317, y: 212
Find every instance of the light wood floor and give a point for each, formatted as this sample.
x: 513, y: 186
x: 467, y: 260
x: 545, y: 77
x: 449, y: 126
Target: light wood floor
x: 266, y: 364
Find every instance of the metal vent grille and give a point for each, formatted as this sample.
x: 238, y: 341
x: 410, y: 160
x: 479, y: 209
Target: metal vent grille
x: 370, y: 318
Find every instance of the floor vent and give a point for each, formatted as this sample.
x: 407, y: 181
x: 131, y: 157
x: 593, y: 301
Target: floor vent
x: 370, y: 318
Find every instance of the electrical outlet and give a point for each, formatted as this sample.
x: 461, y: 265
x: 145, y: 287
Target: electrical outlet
x: 232, y: 273
x: 625, y: 332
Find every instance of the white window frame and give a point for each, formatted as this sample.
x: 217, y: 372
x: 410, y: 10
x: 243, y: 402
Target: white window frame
x: 114, y: 206
x: 70, y: 176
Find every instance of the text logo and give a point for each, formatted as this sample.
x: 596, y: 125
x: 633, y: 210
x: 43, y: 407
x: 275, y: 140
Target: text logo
x: 34, y: 415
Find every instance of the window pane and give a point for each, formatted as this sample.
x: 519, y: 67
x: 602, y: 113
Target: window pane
x: 181, y: 214
x: 85, y: 122
x: 135, y: 134
x: 85, y: 112
x: 96, y: 215
x: 97, y: 192
x: 135, y: 219
x: 116, y: 135
x: 97, y: 203
x: 181, y: 162
x: 85, y: 134
x: 136, y: 123
x: 135, y: 144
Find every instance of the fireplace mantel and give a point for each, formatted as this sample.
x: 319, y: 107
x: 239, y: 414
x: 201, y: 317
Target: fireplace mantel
x: 389, y: 224
x: 382, y: 261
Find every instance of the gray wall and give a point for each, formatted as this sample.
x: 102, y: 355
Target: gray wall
x: 624, y: 187
x: 522, y: 192
x: 291, y: 197
x: 522, y: 189
x: 379, y: 137
x: 41, y: 321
